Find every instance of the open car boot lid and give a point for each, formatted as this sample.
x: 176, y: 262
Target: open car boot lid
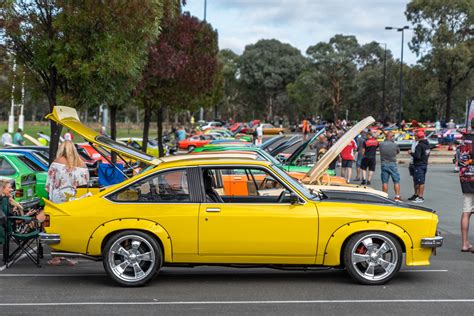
x: 67, y: 117
x: 320, y: 167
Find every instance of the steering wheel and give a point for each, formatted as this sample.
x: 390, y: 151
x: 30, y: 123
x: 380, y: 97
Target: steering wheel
x: 281, y: 196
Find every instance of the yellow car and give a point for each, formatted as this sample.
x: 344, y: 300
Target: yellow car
x: 179, y: 214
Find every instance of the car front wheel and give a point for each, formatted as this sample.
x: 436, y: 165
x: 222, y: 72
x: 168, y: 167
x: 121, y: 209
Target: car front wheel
x: 132, y: 258
x: 372, y: 258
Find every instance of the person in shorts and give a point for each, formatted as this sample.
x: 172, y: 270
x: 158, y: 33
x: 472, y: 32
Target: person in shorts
x: 347, y: 157
x: 369, y: 151
x: 360, y: 145
x: 466, y: 177
x: 388, y: 158
x: 420, y: 166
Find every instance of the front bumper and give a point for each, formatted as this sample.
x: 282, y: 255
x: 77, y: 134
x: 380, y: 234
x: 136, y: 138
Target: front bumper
x: 432, y: 242
x: 50, y: 239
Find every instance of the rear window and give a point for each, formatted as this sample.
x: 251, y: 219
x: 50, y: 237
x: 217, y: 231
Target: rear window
x: 31, y: 164
x: 6, y: 169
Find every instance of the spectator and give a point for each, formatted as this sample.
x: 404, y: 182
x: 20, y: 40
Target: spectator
x: 360, y: 145
x: 420, y: 156
x: 347, y: 156
x: 68, y: 135
x: 321, y: 146
x: 259, y: 131
x: 466, y: 177
x: 305, y: 128
x: 6, y: 138
x: 451, y: 124
x: 18, y: 138
x: 388, y: 158
x: 369, y: 151
x: 181, y: 132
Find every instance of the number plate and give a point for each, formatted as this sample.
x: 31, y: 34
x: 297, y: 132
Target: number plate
x: 29, y: 192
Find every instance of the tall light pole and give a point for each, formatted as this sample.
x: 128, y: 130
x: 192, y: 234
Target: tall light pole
x: 400, y: 106
x: 384, y: 76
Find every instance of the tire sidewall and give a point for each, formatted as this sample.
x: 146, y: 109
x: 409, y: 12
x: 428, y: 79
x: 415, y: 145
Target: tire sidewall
x: 158, y: 257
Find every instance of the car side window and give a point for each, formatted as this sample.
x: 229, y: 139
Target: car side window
x: 243, y: 185
x: 6, y: 169
x: 164, y: 187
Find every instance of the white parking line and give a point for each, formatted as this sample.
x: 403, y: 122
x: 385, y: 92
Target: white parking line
x: 467, y: 300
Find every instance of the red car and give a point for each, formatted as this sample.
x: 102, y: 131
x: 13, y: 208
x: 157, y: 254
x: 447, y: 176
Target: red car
x: 93, y: 152
x: 195, y: 141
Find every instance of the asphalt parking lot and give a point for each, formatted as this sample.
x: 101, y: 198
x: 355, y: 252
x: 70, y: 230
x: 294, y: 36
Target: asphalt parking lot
x: 445, y: 287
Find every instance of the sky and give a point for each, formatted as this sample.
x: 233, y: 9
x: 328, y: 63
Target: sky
x: 303, y: 23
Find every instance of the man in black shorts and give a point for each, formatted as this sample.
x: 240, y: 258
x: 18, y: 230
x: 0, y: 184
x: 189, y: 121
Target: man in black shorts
x: 368, y: 158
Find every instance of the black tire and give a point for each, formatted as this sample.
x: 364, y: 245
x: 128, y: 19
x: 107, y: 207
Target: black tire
x: 132, y: 251
x: 191, y: 148
x: 372, y: 258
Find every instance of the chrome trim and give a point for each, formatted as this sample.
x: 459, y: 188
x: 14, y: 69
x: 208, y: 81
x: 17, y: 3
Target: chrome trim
x: 215, y: 210
x: 432, y: 242
x: 30, y: 202
x: 49, y: 239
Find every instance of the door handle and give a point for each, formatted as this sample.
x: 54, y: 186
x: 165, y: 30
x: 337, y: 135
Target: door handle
x: 237, y: 178
x: 213, y: 210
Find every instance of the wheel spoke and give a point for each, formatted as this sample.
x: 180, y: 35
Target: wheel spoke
x: 383, y: 249
x: 370, y: 271
x: 121, y: 267
x: 138, y: 271
x: 121, y: 251
x: 368, y: 242
x: 145, y: 256
x: 356, y: 258
x: 136, y: 244
x: 386, y: 265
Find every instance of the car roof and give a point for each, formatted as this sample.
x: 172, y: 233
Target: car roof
x: 209, y: 156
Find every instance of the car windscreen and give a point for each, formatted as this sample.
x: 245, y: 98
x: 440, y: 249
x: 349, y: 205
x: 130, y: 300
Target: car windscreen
x: 295, y: 183
x: 132, y: 152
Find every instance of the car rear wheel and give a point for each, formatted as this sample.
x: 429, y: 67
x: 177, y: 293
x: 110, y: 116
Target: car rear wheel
x: 372, y: 258
x: 191, y: 148
x: 132, y: 258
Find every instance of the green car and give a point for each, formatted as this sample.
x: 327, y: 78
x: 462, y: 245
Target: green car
x: 30, y: 179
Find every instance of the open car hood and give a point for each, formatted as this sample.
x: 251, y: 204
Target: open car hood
x: 301, y: 148
x: 68, y: 118
x: 320, y: 167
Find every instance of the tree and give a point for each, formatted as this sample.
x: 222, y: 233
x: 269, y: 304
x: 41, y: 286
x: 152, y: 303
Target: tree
x: 266, y: 68
x: 335, y: 61
x: 182, y: 65
x: 230, y: 73
x: 443, y: 33
x: 31, y: 35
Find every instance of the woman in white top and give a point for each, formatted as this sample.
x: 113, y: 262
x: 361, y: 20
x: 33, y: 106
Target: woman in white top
x: 66, y: 173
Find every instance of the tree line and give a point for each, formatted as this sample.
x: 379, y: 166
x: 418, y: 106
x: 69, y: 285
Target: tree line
x: 151, y: 56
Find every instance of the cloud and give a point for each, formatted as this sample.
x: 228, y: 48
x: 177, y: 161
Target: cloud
x: 303, y: 23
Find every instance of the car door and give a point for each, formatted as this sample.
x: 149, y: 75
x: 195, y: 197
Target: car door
x: 168, y: 198
x: 256, y: 228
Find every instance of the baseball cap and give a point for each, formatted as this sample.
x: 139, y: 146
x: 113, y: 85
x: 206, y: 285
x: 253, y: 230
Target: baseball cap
x: 420, y: 134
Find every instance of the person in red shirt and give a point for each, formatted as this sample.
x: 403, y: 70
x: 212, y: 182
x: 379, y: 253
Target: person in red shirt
x: 369, y: 151
x: 348, y: 156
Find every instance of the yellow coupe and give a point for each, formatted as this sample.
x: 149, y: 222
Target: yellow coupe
x: 179, y: 214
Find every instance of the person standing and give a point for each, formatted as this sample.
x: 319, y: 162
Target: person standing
x: 259, y: 131
x: 360, y: 145
x: 420, y: 166
x: 181, y: 133
x: 18, y: 138
x: 369, y: 151
x: 68, y: 135
x: 388, y: 158
x: 305, y: 129
x: 6, y: 138
x: 348, y: 156
x: 466, y: 177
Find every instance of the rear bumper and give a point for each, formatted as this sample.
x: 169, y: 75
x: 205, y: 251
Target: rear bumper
x: 50, y: 239
x: 432, y: 242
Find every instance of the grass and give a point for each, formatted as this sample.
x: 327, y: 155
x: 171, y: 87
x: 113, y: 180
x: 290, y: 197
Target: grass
x: 123, y: 130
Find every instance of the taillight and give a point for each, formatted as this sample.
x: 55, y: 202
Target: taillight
x: 19, y: 193
x: 46, y: 221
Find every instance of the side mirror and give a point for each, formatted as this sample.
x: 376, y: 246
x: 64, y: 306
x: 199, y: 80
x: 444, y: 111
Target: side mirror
x: 294, y: 198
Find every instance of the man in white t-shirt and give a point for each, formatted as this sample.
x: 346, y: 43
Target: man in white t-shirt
x: 6, y: 138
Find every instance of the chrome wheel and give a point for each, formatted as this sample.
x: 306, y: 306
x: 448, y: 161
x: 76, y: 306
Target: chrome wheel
x: 131, y: 258
x: 374, y: 257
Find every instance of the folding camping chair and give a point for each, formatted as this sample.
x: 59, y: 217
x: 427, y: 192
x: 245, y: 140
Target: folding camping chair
x: 22, y: 232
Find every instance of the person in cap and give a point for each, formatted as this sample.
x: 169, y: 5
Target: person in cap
x: 420, y: 156
x: 369, y: 150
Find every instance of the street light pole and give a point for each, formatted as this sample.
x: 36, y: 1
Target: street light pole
x: 400, y: 106
x: 384, y: 76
